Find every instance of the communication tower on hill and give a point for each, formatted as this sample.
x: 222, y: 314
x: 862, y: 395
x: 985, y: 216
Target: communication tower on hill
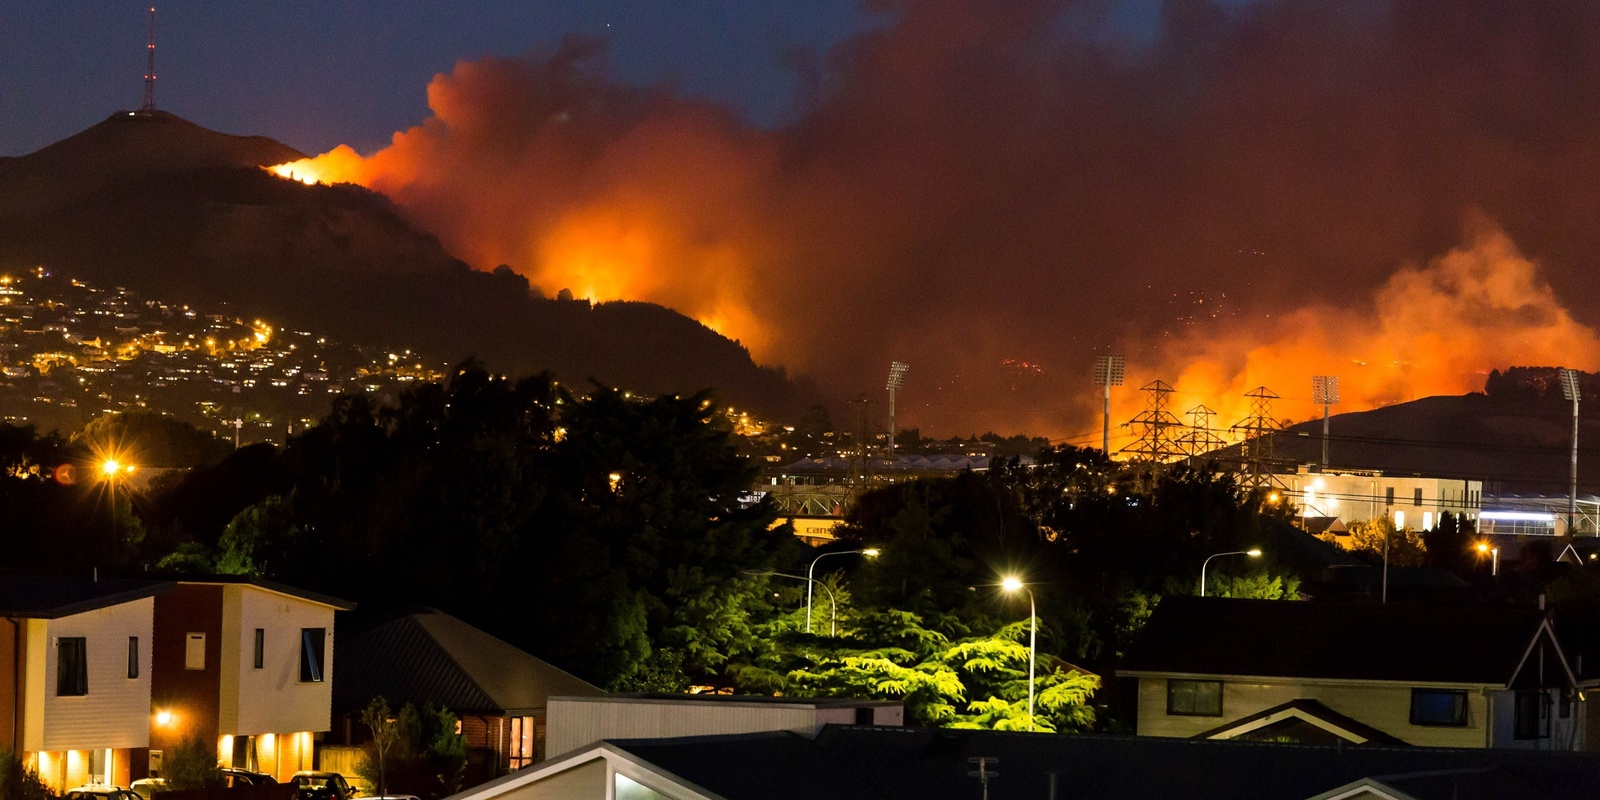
x: 149, y: 105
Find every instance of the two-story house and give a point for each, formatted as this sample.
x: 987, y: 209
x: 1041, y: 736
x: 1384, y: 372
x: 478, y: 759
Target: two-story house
x: 75, y: 675
x: 245, y: 665
x: 1335, y: 673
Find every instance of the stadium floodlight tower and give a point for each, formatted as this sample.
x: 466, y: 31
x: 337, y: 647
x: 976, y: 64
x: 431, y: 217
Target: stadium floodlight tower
x: 1571, y: 391
x: 1108, y: 372
x: 897, y: 379
x: 1324, y: 392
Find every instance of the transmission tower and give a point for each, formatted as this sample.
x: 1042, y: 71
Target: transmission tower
x: 1258, y: 433
x: 1199, y: 440
x: 150, y: 68
x: 1155, y: 443
x: 861, y: 458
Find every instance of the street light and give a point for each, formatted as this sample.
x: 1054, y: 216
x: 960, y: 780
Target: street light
x: 1011, y: 584
x: 870, y: 552
x: 1484, y: 548
x: 1254, y: 552
x: 833, y: 629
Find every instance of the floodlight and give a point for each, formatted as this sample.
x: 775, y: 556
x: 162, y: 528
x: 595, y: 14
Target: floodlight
x: 1325, y: 390
x: 1569, y: 384
x: 1108, y: 370
x: 897, y: 375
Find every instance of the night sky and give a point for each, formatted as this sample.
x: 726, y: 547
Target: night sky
x: 315, y: 74
x: 1232, y: 193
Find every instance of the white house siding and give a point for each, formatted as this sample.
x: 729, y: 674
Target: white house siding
x: 576, y: 722
x: 584, y: 782
x: 1386, y: 707
x: 116, y: 711
x: 1565, y: 734
x: 272, y: 699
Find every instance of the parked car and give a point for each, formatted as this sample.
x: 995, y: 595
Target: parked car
x: 234, y: 776
x: 147, y: 787
x: 322, y: 786
x: 101, y: 792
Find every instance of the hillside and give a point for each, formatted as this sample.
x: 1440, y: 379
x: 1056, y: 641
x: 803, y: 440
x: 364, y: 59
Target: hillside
x: 1514, y: 444
x: 163, y: 206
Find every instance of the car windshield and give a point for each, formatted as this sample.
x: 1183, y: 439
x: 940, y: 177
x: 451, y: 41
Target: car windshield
x: 312, y: 780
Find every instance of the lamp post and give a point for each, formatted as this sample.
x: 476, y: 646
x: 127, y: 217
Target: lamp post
x: 833, y: 630
x: 1011, y: 585
x: 870, y: 552
x: 1254, y: 552
x: 1494, y: 553
x: 897, y: 381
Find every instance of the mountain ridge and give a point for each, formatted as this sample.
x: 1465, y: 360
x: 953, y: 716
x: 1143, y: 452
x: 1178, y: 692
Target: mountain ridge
x: 159, y: 204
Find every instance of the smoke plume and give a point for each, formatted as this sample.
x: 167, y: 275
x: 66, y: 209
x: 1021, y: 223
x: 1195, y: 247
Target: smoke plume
x: 995, y: 192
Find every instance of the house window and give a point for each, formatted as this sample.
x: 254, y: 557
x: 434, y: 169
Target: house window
x: 1439, y: 707
x: 261, y: 648
x: 1533, y: 715
x: 194, y: 651
x: 1416, y: 497
x: 312, y: 649
x: 1388, y: 495
x: 1564, y: 707
x: 133, y: 656
x: 72, y: 666
x: 522, y: 731
x: 1194, y: 698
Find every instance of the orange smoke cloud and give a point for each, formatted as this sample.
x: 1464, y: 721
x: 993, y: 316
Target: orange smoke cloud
x: 972, y: 186
x: 1429, y: 330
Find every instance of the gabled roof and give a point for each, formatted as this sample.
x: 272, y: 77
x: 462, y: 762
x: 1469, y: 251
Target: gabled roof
x: 1304, y: 715
x: 32, y: 597
x: 430, y: 657
x: 1417, y: 644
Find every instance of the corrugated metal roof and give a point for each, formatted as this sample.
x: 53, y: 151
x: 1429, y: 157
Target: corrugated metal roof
x: 429, y: 657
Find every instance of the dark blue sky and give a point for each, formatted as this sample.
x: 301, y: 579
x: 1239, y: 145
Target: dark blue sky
x: 315, y: 73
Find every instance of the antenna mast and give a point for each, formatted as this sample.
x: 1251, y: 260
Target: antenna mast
x: 150, y: 68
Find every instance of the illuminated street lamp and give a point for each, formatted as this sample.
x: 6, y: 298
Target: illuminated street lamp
x: 1494, y: 553
x: 1254, y: 552
x: 1011, y: 584
x: 870, y: 552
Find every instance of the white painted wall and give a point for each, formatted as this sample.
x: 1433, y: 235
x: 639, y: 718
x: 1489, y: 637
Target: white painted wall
x: 580, y: 721
x: 1386, y: 707
x: 116, y: 711
x: 272, y: 699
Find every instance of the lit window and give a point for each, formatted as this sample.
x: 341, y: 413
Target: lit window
x: 1194, y: 698
x: 1439, y: 707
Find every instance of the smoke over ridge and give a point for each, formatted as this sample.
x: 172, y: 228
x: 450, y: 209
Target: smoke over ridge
x: 996, y: 191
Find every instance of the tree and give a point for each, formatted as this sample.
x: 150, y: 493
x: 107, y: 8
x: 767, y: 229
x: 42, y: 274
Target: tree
x: 1370, y: 537
x: 18, y: 781
x: 192, y: 765
x: 385, y: 734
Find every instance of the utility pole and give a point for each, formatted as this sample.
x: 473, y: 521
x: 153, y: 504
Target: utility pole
x: 1574, y: 393
x: 1324, y: 392
x: 1108, y: 372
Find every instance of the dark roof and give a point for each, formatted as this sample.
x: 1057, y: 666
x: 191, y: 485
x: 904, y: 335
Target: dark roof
x: 888, y: 763
x: 756, y: 699
x: 1308, y: 708
x: 430, y: 657
x: 48, y: 598
x: 274, y: 586
x: 1216, y: 636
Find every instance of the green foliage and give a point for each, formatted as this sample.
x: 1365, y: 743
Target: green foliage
x: 412, y: 751
x: 151, y: 439
x: 1254, y: 586
x: 18, y: 781
x: 1406, y: 547
x: 192, y: 765
x: 259, y: 538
